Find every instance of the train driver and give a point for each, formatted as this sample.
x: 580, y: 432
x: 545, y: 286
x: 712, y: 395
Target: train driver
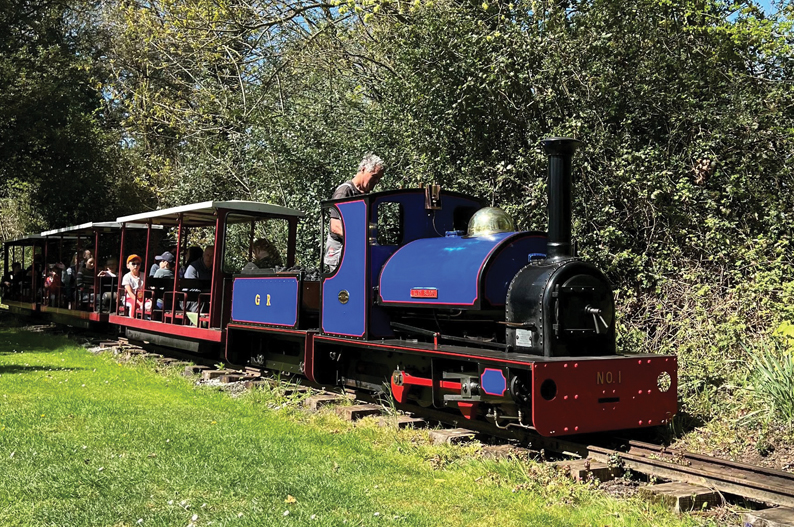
x: 370, y: 170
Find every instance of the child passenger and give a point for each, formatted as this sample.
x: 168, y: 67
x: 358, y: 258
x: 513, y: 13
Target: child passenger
x: 165, y: 264
x: 52, y: 286
x: 133, y: 287
x: 266, y: 255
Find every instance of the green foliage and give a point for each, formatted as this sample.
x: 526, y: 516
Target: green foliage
x: 773, y: 382
x: 59, y: 156
x: 682, y: 152
x: 709, y: 321
x: 785, y: 332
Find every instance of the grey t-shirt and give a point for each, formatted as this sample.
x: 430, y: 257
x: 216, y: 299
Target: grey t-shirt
x: 333, y: 245
x: 164, y: 272
x: 345, y: 190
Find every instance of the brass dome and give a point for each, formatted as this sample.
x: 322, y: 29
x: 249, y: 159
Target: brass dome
x: 490, y: 220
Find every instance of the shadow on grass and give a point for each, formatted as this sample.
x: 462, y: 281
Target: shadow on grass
x: 11, y: 320
x: 17, y: 368
x: 29, y: 346
x: 18, y: 340
x: 682, y: 424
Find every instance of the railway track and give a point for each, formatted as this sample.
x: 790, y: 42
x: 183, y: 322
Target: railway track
x: 759, y: 484
x: 756, y: 483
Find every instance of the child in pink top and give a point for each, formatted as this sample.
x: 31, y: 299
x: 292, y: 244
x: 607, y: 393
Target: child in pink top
x: 133, y: 287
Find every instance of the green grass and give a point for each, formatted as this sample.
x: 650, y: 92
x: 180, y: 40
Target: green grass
x: 86, y: 440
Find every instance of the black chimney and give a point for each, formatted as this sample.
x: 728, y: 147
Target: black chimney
x: 560, y: 151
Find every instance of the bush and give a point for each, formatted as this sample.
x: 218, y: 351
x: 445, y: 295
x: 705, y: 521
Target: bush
x: 773, y: 382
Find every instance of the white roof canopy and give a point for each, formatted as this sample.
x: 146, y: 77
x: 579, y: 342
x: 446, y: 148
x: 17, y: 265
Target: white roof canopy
x: 204, y: 213
x: 22, y: 239
x: 89, y: 228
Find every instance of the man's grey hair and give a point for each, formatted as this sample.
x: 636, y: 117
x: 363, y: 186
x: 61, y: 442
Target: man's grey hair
x: 370, y: 163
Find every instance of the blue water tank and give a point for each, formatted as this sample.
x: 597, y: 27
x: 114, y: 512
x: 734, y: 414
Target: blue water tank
x: 457, y: 271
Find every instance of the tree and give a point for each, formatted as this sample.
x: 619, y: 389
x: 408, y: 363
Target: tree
x: 685, y: 107
x: 59, y: 159
x: 684, y: 184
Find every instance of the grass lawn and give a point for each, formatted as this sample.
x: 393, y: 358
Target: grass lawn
x: 88, y: 440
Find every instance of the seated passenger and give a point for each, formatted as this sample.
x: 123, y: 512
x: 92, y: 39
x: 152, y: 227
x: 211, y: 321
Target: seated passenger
x: 68, y: 275
x: 10, y: 281
x: 85, y: 281
x: 165, y: 269
x: 87, y: 255
x: 52, y: 286
x: 85, y: 275
x: 156, y: 265
x: 266, y: 255
x: 60, y: 269
x: 110, y: 268
x: 5, y: 282
x: 107, y: 284
x: 193, y: 254
x: 35, y: 269
x: 133, y: 287
x: 166, y: 265
x: 201, y: 269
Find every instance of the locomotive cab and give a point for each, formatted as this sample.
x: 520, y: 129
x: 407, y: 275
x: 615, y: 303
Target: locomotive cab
x: 400, y: 231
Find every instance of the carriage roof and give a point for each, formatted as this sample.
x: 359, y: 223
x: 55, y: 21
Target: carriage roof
x: 26, y: 239
x: 88, y: 228
x: 204, y: 213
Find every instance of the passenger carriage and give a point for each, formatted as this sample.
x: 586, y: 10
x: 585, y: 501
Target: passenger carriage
x: 22, y: 298
x: 192, y: 314
x: 88, y: 303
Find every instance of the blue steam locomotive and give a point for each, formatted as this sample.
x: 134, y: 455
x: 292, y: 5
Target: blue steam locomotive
x: 448, y: 307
